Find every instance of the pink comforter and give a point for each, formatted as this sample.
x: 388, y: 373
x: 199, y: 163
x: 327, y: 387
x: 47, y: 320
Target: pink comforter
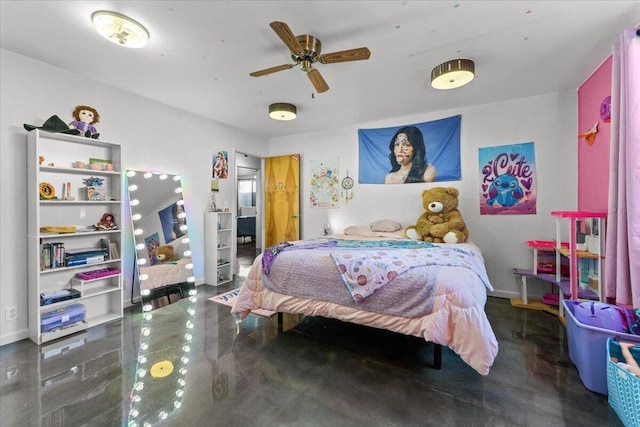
x: 457, y: 318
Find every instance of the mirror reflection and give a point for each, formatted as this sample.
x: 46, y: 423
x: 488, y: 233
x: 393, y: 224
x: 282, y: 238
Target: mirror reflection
x: 161, y: 235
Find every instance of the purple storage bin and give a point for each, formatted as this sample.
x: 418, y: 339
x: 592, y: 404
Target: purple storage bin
x: 588, y: 349
x: 61, y: 317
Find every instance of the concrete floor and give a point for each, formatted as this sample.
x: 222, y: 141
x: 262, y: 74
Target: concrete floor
x: 321, y: 372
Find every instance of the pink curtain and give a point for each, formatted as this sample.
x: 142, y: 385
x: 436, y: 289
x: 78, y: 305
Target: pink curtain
x: 622, y: 264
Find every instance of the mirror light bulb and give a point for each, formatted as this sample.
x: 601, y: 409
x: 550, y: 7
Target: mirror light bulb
x: 133, y: 187
x: 131, y: 173
x: 136, y: 217
x: 148, y: 175
x: 135, y: 202
x: 163, y: 176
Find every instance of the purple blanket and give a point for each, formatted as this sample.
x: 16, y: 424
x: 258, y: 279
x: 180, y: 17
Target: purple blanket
x: 313, y: 274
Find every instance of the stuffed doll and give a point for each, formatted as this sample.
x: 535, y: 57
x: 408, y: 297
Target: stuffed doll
x: 85, y: 117
x: 441, y: 222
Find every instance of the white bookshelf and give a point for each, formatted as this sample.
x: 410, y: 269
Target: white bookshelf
x: 218, y: 249
x: 101, y: 297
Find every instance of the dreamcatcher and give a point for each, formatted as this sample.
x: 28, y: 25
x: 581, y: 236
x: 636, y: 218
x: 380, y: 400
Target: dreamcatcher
x: 347, y: 188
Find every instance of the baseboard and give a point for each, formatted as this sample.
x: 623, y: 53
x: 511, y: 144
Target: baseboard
x: 504, y: 294
x: 14, y: 337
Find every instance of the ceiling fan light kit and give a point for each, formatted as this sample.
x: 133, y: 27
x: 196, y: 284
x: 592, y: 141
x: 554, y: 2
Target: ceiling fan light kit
x: 305, y: 51
x: 452, y: 74
x: 283, y: 111
x: 120, y: 29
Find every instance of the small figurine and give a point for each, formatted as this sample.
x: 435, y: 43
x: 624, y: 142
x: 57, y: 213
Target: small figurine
x: 106, y: 223
x: 93, y: 181
x: 85, y: 117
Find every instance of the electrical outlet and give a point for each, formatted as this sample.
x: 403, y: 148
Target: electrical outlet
x: 11, y: 313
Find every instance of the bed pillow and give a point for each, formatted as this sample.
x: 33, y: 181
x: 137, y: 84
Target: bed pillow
x: 357, y: 230
x: 385, y: 225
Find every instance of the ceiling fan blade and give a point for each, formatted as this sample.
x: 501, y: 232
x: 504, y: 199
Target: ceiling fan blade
x: 357, y: 54
x: 317, y: 81
x: 284, y: 32
x: 271, y: 70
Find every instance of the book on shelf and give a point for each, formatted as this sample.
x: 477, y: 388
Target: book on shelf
x: 110, y: 247
x: 86, y: 260
x: 52, y: 255
x: 85, y: 252
x: 75, y: 257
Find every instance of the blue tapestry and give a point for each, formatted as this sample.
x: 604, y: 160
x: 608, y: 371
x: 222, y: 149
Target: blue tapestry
x: 423, y: 152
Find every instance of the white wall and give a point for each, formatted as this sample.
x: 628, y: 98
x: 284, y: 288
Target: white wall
x: 548, y: 120
x: 153, y: 136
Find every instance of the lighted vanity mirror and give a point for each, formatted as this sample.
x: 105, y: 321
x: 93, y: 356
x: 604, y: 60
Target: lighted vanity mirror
x: 161, y: 235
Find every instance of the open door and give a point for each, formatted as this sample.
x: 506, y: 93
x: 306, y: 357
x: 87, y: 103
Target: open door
x: 282, y: 199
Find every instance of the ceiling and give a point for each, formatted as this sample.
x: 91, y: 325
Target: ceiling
x: 200, y: 53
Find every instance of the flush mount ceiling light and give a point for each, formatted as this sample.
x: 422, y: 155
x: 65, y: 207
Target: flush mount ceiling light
x: 120, y: 29
x: 452, y: 74
x: 282, y: 111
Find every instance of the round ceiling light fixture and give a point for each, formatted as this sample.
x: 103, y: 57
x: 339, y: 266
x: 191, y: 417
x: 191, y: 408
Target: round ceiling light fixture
x: 283, y: 111
x: 120, y: 29
x: 452, y: 74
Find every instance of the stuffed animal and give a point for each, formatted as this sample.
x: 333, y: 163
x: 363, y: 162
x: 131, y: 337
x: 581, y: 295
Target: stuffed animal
x: 442, y: 222
x: 164, y: 253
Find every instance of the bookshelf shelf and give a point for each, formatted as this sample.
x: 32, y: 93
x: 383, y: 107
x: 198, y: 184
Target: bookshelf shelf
x: 218, y: 248
x: 102, y: 297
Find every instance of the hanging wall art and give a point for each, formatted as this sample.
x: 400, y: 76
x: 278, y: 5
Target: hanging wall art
x: 508, y: 179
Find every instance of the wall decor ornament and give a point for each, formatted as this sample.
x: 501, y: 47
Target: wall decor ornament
x: 590, y: 135
x: 47, y: 191
x: 347, y: 188
x: 605, y: 109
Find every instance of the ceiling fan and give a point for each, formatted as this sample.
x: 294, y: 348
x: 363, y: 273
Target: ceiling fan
x: 305, y: 51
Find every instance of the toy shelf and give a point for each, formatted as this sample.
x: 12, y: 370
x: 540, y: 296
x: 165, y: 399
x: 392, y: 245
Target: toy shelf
x: 550, y: 259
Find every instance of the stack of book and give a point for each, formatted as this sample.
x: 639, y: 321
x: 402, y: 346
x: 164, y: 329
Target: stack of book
x: 51, y: 255
x: 73, y: 257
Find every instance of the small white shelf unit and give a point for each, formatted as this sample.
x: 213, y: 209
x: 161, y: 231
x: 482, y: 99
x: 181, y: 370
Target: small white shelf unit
x: 219, y: 253
x: 50, y: 158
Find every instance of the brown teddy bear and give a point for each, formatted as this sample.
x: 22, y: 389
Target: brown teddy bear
x: 442, y: 222
x: 164, y: 253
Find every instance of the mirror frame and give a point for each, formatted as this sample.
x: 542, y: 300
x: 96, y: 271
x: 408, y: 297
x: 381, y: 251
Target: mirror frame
x: 136, y: 179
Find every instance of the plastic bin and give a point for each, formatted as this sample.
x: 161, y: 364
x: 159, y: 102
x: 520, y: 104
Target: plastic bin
x: 623, y: 386
x: 588, y: 349
x: 62, y: 317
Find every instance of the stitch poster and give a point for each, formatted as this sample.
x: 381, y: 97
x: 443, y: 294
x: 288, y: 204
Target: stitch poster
x: 508, y: 179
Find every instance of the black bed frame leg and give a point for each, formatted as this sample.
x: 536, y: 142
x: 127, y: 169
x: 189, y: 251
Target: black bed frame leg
x: 437, y: 356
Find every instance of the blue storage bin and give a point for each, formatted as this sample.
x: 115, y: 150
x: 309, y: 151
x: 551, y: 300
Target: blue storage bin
x: 588, y: 349
x: 64, y: 316
x: 623, y: 386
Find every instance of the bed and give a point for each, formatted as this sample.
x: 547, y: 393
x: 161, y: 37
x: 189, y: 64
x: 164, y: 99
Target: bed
x: 441, y: 300
x: 165, y: 274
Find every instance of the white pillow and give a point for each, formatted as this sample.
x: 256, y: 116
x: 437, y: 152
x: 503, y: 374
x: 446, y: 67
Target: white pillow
x: 385, y: 225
